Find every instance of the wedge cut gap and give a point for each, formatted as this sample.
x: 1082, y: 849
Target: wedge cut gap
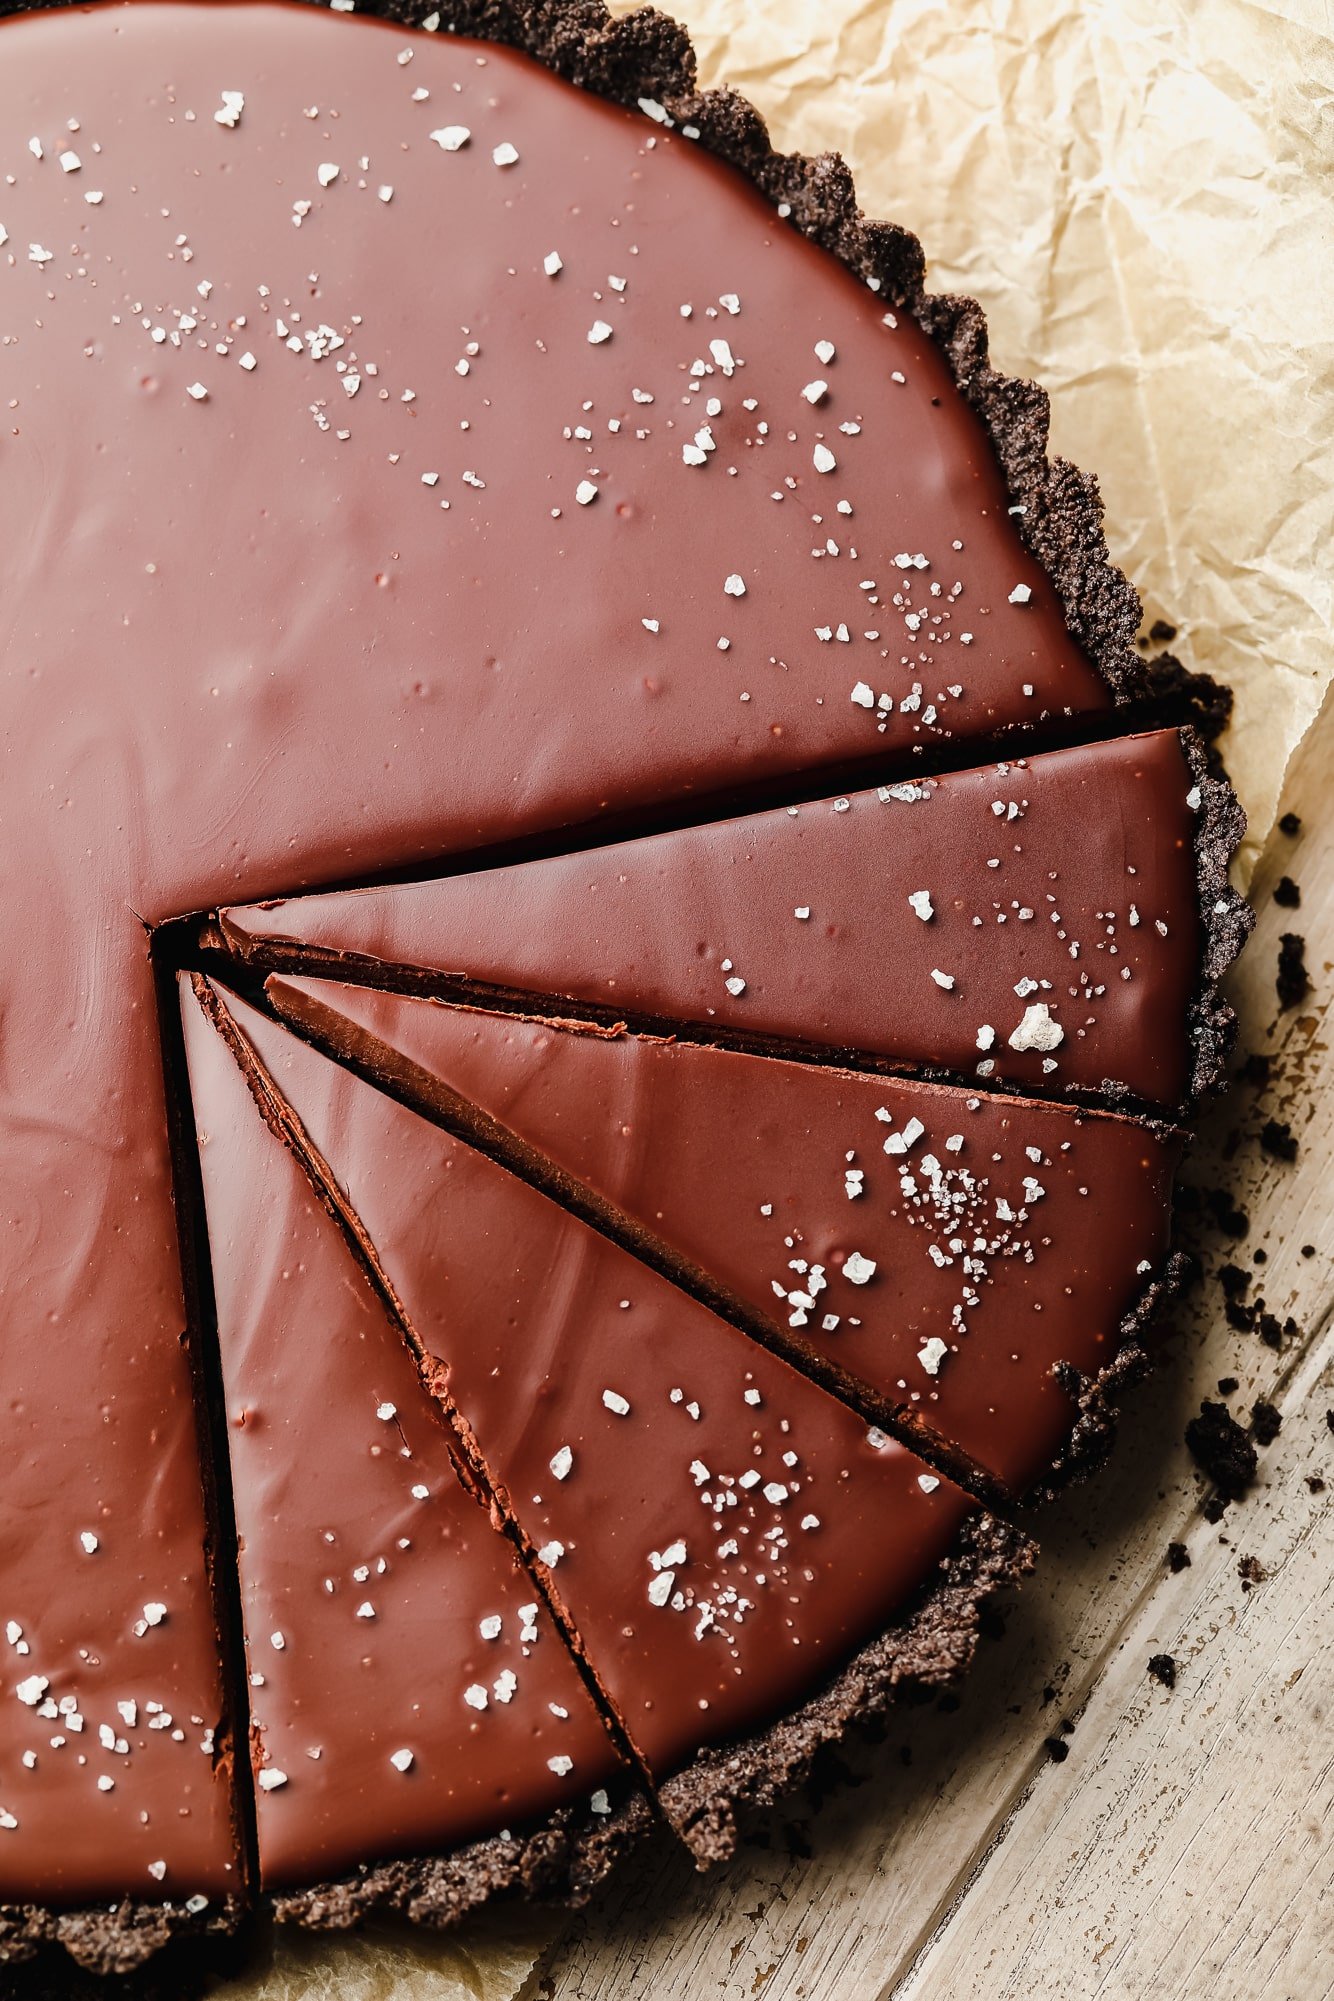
x: 300, y: 1006
x: 1058, y: 924
x: 421, y: 1738
x: 981, y: 1268
x: 744, y: 1565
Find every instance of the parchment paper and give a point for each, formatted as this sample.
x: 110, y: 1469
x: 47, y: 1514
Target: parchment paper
x: 1141, y: 193
x: 488, y: 1959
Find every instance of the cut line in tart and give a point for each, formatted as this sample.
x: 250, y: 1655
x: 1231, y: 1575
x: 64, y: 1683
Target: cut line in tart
x: 411, y: 1698
x: 422, y: 453
x: 1048, y: 922
x: 967, y: 1265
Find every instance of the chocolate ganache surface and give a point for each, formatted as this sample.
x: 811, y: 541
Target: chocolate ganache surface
x: 949, y: 1250
x: 406, y: 453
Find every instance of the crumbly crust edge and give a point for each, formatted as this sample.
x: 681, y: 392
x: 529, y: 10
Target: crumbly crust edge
x: 562, y: 1861
x: 710, y: 1801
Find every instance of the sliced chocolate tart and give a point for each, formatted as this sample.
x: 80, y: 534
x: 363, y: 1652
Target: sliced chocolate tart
x: 1047, y: 921
x: 978, y: 1264
x: 723, y: 1542
x: 420, y: 1735
x: 412, y: 456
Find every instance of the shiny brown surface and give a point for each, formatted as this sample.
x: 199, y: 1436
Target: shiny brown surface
x: 1016, y: 1234
x: 801, y: 1535
x: 1065, y: 884
x: 384, y: 1615
x: 246, y: 648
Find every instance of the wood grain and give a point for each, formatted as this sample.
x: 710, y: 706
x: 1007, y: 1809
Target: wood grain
x: 1183, y: 1846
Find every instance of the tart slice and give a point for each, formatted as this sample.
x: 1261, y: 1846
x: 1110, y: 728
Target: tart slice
x: 741, y: 1563
x: 1057, y: 921
x: 982, y: 1265
x: 421, y: 1737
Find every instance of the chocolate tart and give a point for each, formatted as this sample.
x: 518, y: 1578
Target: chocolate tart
x: 367, y: 515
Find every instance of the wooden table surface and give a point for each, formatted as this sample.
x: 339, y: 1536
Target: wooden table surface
x: 1185, y: 1845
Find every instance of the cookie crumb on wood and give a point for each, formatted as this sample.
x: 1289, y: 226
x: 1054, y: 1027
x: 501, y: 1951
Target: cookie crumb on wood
x: 1278, y: 1140
x: 1221, y: 1449
x: 1293, y: 983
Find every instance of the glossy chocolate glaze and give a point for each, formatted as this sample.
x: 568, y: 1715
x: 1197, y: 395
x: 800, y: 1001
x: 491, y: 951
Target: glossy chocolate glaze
x: 105, y: 1612
x: 1018, y: 1235
x: 631, y: 1434
x: 933, y: 924
x: 384, y: 1614
x: 248, y: 648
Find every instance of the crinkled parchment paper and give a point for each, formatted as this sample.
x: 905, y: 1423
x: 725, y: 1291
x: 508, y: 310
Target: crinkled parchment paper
x: 1141, y: 193
x: 488, y: 1959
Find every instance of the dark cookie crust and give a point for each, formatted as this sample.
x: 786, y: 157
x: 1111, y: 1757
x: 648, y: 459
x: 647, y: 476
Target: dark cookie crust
x: 1226, y: 919
x: 108, y: 1940
x: 562, y: 1862
x: 926, y: 1653
x: 1096, y: 1398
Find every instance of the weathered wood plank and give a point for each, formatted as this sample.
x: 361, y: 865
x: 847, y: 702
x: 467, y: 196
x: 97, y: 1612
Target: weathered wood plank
x: 1192, y: 1853
x: 894, y: 1854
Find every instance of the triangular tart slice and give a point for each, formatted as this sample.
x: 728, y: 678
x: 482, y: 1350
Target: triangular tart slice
x: 982, y: 1264
x: 421, y: 1737
x: 743, y: 1565
x: 1035, y: 923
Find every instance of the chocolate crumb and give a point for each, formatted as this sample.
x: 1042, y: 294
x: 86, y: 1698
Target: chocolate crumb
x: 1271, y: 1333
x: 1214, y: 1508
x: 1161, y: 633
x: 1290, y: 824
x: 1233, y: 1280
x: 1315, y: 1483
x: 1251, y: 1572
x: 1231, y: 1219
x: 1226, y: 1385
x: 1287, y: 893
x: 1265, y: 1422
x: 1057, y: 1749
x: 1308, y: 1250
x: 1164, y: 1669
x: 1292, y: 983
x: 1256, y: 1069
x: 1178, y: 1557
x: 1277, y: 1139
x: 1260, y: 1255
x: 1221, y: 1449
